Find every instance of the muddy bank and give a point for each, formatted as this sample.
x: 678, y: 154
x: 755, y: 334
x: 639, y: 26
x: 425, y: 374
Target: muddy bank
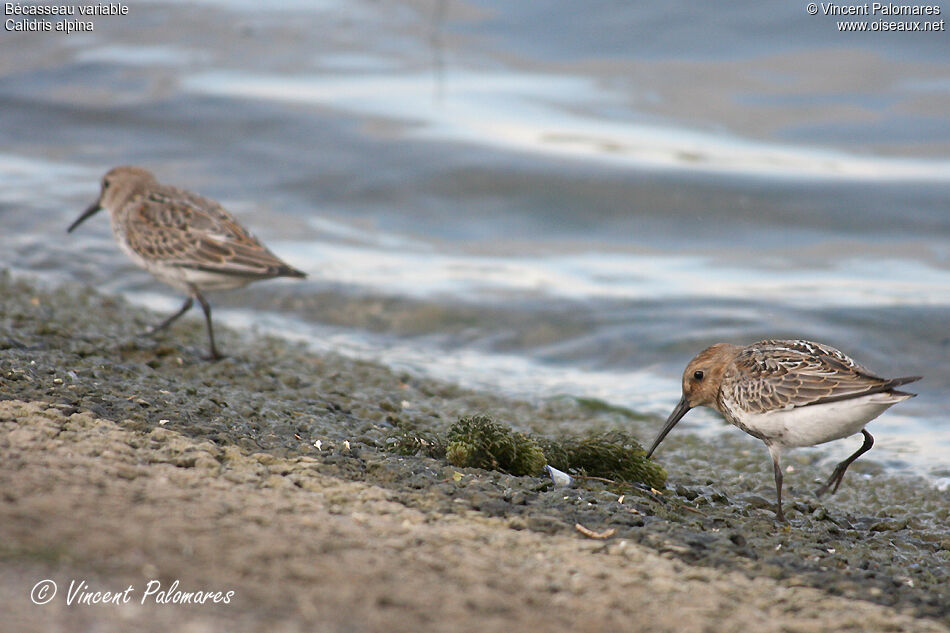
x: 85, y: 498
x: 270, y: 470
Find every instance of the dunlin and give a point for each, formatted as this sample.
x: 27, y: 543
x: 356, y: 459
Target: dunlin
x: 787, y: 394
x: 185, y: 240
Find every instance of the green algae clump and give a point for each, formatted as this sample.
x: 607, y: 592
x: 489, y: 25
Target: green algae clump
x: 611, y: 455
x: 480, y: 442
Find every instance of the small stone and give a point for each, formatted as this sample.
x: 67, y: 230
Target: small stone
x: 125, y: 471
x: 545, y: 524
x: 755, y: 501
x: 517, y: 523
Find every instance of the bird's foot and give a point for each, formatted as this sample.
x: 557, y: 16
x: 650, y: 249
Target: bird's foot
x: 833, y: 482
x: 214, y: 356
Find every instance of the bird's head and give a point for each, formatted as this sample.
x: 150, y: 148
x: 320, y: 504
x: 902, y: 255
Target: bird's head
x: 118, y: 186
x: 701, y: 380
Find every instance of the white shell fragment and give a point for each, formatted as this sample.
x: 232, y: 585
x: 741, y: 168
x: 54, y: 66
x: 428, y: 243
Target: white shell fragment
x: 560, y: 479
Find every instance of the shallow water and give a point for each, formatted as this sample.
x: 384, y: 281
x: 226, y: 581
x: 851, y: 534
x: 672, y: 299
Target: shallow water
x: 533, y: 199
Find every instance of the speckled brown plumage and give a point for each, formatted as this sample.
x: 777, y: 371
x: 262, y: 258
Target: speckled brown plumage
x: 181, y: 228
x: 183, y: 239
x: 787, y: 394
x: 776, y: 374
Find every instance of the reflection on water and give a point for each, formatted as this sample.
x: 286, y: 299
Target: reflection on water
x: 389, y: 267
x: 531, y: 113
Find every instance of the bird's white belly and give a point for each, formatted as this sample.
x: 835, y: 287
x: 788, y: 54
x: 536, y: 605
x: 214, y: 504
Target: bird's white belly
x: 185, y: 279
x: 816, y: 423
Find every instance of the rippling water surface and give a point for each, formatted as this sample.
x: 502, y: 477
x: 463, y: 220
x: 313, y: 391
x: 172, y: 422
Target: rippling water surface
x: 530, y: 197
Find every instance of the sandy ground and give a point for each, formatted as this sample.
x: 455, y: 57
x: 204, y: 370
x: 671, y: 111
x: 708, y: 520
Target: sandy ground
x: 85, y: 499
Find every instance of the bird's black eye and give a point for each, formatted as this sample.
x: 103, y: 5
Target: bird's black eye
x: 698, y: 374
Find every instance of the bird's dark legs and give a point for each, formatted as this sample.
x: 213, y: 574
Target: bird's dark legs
x: 215, y: 355
x: 164, y: 324
x: 777, y: 469
x: 838, y: 474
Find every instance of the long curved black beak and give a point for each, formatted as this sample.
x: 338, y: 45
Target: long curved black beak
x: 95, y: 206
x: 681, y: 409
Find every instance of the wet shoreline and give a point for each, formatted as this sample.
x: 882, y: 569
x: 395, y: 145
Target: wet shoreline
x: 881, y: 539
x: 553, y: 253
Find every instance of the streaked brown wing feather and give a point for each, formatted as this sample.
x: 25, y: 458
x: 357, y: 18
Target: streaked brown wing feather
x: 240, y: 259
x: 778, y: 374
x: 180, y: 228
